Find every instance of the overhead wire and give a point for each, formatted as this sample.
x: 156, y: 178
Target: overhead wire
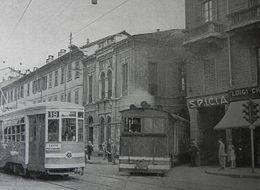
x: 98, y: 18
x: 17, y: 24
x: 101, y: 16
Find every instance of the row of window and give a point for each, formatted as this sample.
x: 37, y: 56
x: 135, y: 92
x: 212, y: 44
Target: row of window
x: 14, y: 133
x: 42, y: 83
x: 145, y: 125
x: 62, y: 97
x: 68, y: 131
x: 210, y: 72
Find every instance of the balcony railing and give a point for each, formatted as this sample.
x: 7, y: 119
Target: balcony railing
x: 204, y: 31
x: 245, y: 17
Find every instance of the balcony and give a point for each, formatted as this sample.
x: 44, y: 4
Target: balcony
x: 245, y: 18
x: 204, y: 33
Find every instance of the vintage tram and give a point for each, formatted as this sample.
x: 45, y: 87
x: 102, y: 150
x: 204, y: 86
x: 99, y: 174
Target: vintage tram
x: 151, y: 140
x: 45, y: 138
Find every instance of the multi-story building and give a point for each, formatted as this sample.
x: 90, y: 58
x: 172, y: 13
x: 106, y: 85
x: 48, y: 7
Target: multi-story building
x: 59, y: 79
x: 127, y: 70
x: 223, y: 71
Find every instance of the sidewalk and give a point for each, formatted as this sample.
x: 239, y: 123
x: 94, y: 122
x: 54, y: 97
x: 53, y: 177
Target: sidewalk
x: 237, y: 172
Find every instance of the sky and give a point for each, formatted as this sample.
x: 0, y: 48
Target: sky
x: 45, y: 26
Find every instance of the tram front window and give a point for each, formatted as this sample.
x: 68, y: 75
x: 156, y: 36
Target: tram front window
x: 53, y: 130
x: 69, y: 129
x: 132, y: 125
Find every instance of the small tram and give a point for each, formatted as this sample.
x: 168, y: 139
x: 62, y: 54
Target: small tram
x: 45, y: 138
x: 151, y: 140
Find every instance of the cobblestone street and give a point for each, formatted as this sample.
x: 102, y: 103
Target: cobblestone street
x: 102, y: 175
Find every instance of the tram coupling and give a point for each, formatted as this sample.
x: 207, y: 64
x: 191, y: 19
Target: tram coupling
x: 79, y: 171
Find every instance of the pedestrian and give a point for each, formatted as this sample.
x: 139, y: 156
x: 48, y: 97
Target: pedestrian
x: 109, y: 150
x: 193, y: 153
x: 233, y: 157
x: 89, y: 149
x: 113, y: 152
x: 221, y: 154
x: 104, y: 149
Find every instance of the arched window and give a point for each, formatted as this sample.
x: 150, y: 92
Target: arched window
x: 109, y: 78
x: 108, y: 128
x: 90, y: 129
x: 101, y: 134
x: 102, y: 78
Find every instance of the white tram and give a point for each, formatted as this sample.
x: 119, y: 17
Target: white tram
x: 46, y: 138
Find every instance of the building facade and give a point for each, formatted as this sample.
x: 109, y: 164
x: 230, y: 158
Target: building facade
x: 223, y: 39
x: 127, y: 70
x: 59, y: 79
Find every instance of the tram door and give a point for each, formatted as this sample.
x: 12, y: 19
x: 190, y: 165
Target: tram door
x: 36, y: 141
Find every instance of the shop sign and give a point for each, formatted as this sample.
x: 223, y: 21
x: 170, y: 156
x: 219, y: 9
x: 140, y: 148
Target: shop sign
x: 245, y: 93
x: 208, y: 101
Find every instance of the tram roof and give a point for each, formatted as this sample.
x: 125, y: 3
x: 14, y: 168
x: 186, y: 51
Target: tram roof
x: 45, y: 105
x: 174, y: 116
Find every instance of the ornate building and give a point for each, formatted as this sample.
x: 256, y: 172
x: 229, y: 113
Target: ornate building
x: 127, y: 70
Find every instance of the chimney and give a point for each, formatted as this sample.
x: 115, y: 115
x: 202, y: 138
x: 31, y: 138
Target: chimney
x: 87, y: 42
x: 158, y: 30
x: 61, y: 52
x: 49, y: 59
x: 35, y: 68
x: 27, y: 71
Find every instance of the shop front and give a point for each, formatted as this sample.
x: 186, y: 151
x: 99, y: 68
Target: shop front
x: 242, y: 123
x: 205, y: 113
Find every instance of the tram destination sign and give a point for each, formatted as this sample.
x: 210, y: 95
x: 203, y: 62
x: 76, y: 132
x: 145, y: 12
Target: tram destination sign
x: 244, y: 93
x: 53, y: 114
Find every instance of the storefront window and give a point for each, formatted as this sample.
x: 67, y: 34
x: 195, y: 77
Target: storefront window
x: 53, y: 130
x: 69, y: 129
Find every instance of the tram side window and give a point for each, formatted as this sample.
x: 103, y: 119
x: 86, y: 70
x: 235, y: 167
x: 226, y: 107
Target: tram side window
x: 68, y: 129
x: 132, y: 125
x: 5, y: 135
x: 13, y: 133
x: 154, y: 125
x: 53, y: 130
x: 80, y: 130
x: 158, y: 126
x: 9, y: 134
x: 22, y: 132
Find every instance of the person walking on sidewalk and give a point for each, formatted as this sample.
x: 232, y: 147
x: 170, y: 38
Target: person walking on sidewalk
x: 113, y: 152
x: 221, y: 154
x: 104, y: 149
x: 233, y: 157
x: 194, y: 150
x: 89, y: 149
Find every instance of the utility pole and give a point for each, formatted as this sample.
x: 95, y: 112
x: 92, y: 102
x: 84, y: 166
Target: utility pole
x: 250, y: 110
x: 66, y: 69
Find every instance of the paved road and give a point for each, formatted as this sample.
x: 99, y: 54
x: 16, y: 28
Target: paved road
x: 106, y: 177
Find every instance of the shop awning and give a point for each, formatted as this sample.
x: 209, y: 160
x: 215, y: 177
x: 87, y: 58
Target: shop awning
x: 233, y: 117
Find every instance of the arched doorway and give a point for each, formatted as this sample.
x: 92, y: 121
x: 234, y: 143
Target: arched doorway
x: 90, y: 129
x: 108, y: 132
